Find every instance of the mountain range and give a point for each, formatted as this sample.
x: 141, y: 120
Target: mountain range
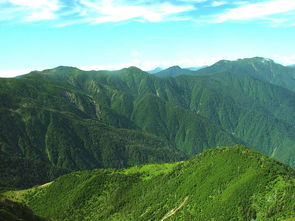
x: 158, y: 70
x: 155, y: 70
x: 75, y: 120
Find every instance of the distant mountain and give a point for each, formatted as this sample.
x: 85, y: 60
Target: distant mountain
x: 156, y: 70
x: 196, y: 68
x: 74, y: 120
x: 229, y: 183
x: 292, y: 66
x: 173, y: 71
x: 51, y: 121
x: 77, y: 120
x: 259, y: 68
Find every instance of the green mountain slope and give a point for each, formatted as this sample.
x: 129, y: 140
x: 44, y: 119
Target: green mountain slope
x: 193, y: 112
x: 100, y: 119
x: 61, y: 126
x: 12, y: 211
x: 17, y: 172
x: 229, y: 183
x: 257, y: 112
x: 258, y: 68
x: 60, y: 114
x: 173, y: 71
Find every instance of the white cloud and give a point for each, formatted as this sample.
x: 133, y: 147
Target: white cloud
x: 14, y: 73
x: 115, y: 11
x: 33, y: 3
x: 257, y: 10
x: 93, y: 11
x: 102, y: 11
x: 134, y: 53
x: 285, y: 60
x: 44, y: 14
x: 29, y: 10
x: 194, y: 1
x: 218, y: 3
x: 135, y: 58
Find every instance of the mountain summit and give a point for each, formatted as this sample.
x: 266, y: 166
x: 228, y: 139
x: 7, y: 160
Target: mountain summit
x: 173, y: 71
x: 259, y: 68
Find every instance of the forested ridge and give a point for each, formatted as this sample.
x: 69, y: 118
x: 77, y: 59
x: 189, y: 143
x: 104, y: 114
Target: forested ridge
x: 75, y: 119
x: 228, y: 183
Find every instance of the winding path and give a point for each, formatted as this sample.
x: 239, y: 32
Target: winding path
x: 173, y: 211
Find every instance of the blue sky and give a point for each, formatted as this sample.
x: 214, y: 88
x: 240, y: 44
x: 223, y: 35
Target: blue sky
x: 112, y: 34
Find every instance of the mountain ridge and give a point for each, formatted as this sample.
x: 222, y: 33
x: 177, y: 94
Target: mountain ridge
x: 221, y: 183
x: 173, y: 71
x: 260, y: 68
x: 75, y: 119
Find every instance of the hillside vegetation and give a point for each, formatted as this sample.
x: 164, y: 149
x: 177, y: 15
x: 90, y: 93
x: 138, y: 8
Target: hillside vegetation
x: 13, y: 211
x: 228, y: 183
x: 20, y: 173
x: 76, y: 120
x: 259, y: 68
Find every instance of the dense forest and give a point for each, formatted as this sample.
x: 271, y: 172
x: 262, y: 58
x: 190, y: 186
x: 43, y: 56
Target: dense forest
x: 228, y: 183
x: 74, y: 120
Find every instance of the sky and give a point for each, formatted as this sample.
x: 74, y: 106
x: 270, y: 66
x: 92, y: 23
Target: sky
x: 112, y: 34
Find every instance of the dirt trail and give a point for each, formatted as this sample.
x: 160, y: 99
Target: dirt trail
x: 173, y: 211
x: 46, y: 184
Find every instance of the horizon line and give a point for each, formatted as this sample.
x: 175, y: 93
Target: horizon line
x: 19, y: 72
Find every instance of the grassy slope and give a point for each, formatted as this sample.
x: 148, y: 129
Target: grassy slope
x: 228, y: 183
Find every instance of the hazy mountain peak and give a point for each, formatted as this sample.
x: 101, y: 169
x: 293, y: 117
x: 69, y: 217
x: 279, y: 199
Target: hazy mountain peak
x: 156, y: 70
x: 259, y: 59
x: 196, y: 68
x: 260, y: 68
x: 133, y: 68
x: 221, y: 62
x: 173, y: 71
x: 175, y: 67
x: 59, y: 68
